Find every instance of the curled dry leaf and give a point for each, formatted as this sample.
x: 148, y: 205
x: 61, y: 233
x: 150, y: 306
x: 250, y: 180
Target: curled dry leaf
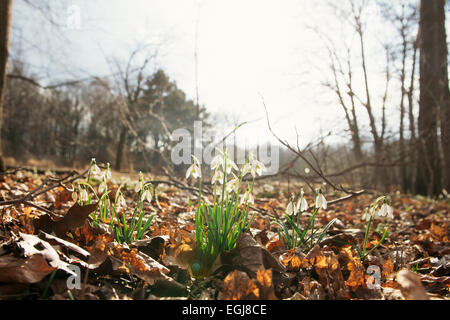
x: 251, y: 256
x: 19, y: 270
x: 356, y: 279
x: 33, y: 245
x: 238, y: 286
x: 411, y: 287
x: 74, y: 218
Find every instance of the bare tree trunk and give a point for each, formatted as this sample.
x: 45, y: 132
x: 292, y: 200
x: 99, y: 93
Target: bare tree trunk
x: 429, y: 172
x: 5, y: 27
x: 444, y: 93
x: 412, y: 125
x: 120, y: 148
x: 403, y: 173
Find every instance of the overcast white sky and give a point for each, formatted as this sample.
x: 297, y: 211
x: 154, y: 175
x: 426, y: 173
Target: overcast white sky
x: 245, y: 49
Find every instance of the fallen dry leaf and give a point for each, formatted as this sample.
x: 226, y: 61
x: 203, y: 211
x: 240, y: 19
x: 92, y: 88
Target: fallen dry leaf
x: 23, y: 270
x: 411, y: 287
x: 238, y: 286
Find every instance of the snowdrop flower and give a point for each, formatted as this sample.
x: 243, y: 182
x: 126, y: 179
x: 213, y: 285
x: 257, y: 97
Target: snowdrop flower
x: 290, y: 209
x: 247, y: 197
x: 368, y: 214
x: 140, y: 185
x: 257, y: 167
x: 217, y: 177
x: 302, y: 204
x: 107, y: 173
x: 246, y: 168
x: 194, y: 170
x: 321, y: 202
x: 386, y: 211
x: 83, y: 195
x: 307, y: 170
x: 233, y: 184
x: 218, y: 161
x: 102, y: 187
x: 231, y: 165
x: 75, y: 196
x: 95, y: 170
x: 146, y: 195
x: 121, y: 203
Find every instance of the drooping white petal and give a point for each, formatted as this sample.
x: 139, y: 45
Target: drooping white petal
x: 257, y: 168
x: 95, y: 171
x: 102, y: 187
x: 383, y: 210
x: 390, y: 212
x: 290, y: 209
x: 189, y: 171
x: 121, y: 203
x: 217, y: 161
x: 83, y: 195
x: 231, y: 165
x: 246, y: 168
x: 302, y: 204
x: 321, y: 202
x: 217, y: 177
x: 232, y: 185
x: 147, y: 195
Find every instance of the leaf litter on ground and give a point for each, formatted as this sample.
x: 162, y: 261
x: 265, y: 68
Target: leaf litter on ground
x: 36, y: 251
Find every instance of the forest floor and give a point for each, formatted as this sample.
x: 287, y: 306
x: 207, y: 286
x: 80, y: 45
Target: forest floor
x: 64, y: 256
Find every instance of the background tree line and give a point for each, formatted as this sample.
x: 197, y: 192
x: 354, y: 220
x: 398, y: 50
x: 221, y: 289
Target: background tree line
x: 127, y: 118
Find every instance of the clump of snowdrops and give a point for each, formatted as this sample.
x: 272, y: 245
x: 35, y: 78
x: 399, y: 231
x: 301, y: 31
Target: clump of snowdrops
x: 219, y: 224
x: 291, y: 230
x: 112, y: 212
x: 379, y: 209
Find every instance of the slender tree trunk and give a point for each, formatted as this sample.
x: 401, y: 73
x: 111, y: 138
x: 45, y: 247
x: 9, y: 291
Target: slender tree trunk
x: 412, y: 126
x: 5, y: 27
x: 444, y: 93
x: 429, y: 172
x: 402, y: 154
x: 120, y: 148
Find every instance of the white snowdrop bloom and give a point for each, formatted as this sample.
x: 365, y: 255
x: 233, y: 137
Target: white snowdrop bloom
x: 246, y: 168
x: 307, y: 170
x: 193, y: 171
x: 107, y: 173
x: 390, y: 212
x: 302, y: 204
x: 121, y: 203
x: 232, y: 185
x: 217, y: 177
x: 140, y: 185
x: 217, y: 161
x: 102, y: 187
x: 368, y: 214
x: 83, y: 195
x: 256, y: 166
x: 247, y: 197
x: 290, y: 209
x: 146, y: 195
x: 321, y: 202
x: 96, y: 172
x: 230, y: 166
x: 386, y: 211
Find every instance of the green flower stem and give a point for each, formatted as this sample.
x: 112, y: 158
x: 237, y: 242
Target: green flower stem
x: 366, y: 236
x: 376, y: 246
